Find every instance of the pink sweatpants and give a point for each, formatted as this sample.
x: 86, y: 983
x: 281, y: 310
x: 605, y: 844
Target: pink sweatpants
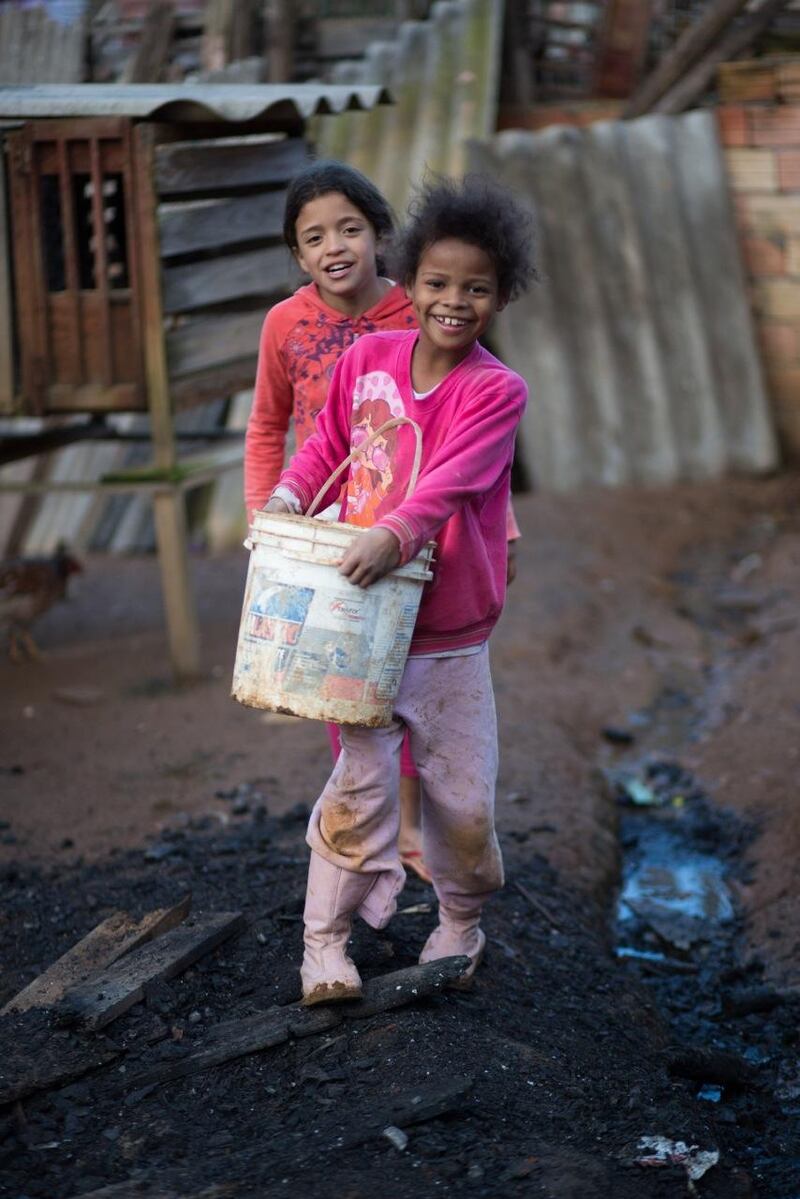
x: 447, y: 705
x: 407, y: 768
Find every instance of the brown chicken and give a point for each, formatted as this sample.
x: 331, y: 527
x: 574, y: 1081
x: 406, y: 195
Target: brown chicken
x: 28, y: 587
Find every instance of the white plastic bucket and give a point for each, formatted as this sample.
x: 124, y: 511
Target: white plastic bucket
x: 313, y: 644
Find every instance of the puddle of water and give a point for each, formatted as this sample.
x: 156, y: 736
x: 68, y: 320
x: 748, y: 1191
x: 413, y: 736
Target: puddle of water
x: 692, y: 887
x: 671, y: 890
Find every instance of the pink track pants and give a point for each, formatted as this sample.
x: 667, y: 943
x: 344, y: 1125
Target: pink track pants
x: 447, y: 705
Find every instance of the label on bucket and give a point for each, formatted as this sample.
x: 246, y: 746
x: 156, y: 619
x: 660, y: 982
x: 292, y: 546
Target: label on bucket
x: 319, y: 641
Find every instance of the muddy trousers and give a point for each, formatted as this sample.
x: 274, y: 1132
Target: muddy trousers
x: 447, y: 705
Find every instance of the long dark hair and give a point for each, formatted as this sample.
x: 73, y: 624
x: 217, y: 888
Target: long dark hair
x: 326, y: 176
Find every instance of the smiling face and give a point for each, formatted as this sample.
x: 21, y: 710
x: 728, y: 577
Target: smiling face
x: 336, y: 246
x: 455, y: 296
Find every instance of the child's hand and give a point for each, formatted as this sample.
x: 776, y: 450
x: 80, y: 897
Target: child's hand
x: 277, y: 505
x: 370, y: 557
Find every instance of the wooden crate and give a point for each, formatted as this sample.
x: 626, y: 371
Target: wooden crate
x: 75, y: 260
x: 116, y: 224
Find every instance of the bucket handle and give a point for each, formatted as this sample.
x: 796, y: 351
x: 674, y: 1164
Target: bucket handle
x: 389, y: 424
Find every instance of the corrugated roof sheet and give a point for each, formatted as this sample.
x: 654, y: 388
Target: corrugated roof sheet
x: 187, y: 102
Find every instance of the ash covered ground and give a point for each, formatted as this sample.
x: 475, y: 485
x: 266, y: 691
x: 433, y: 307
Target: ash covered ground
x: 646, y: 683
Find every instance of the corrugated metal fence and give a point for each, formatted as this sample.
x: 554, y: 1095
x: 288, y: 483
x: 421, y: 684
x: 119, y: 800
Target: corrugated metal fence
x: 637, y: 344
x: 443, y: 74
x: 36, y: 49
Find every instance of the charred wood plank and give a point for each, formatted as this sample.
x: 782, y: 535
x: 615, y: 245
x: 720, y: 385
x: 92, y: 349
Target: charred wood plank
x: 403, y: 1111
x: 237, y: 1038
x: 27, y: 1067
x: 105, y: 997
x: 158, y: 1190
x: 712, y: 1065
x: 110, y: 940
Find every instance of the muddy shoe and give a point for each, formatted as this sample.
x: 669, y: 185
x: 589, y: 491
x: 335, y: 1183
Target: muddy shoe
x: 328, y: 975
x: 456, y: 935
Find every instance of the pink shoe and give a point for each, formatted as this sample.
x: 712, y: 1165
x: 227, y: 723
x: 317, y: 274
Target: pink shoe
x: 328, y: 974
x: 456, y: 935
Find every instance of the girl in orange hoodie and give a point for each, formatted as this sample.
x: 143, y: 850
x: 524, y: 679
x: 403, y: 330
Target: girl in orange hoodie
x: 334, y: 222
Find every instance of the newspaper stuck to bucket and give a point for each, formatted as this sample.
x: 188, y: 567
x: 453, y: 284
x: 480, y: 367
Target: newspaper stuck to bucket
x: 310, y: 642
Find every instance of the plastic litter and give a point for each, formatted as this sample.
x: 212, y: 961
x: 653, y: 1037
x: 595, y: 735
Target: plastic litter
x: 640, y: 793
x: 397, y: 1137
x: 664, y: 1152
x: 710, y: 1092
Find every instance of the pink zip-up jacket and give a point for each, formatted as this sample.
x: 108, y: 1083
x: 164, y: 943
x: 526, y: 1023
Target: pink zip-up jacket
x: 468, y: 426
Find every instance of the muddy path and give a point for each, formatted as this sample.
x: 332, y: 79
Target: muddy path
x: 646, y: 692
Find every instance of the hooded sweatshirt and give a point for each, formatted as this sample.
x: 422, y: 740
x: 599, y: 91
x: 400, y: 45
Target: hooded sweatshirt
x: 468, y: 422
x: 302, y: 339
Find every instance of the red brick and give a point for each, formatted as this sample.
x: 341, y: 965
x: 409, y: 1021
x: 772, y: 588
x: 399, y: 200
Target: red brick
x: 764, y: 255
x: 780, y: 344
x: 732, y: 122
x: 789, y: 170
x: 776, y: 126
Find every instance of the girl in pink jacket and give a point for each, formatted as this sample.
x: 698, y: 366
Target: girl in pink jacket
x: 466, y: 252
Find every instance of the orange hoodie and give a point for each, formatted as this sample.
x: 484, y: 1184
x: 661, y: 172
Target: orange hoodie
x: 301, y: 341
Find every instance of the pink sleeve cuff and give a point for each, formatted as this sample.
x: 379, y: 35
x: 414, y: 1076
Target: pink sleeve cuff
x: 410, y: 541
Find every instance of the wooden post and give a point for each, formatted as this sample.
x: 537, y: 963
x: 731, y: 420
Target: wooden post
x: 6, y: 343
x: 622, y: 45
x: 149, y: 61
x: 701, y: 76
x: 168, y: 504
x: 279, y: 24
x: 692, y: 43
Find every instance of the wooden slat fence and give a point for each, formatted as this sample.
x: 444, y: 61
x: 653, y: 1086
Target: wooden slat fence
x: 637, y: 344
x: 223, y: 260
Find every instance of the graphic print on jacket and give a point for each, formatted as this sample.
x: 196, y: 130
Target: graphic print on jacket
x: 371, y: 487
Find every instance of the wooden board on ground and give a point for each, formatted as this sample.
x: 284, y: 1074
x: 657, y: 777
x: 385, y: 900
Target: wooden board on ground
x: 117, y: 935
x: 108, y: 995
x: 25, y: 1069
x: 237, y: 1038
x: 155, y: 1190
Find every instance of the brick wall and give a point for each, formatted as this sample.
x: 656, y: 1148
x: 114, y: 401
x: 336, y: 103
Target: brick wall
x: 759, y: 124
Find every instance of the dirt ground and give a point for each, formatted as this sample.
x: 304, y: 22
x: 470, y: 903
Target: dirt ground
x: 667, y: 619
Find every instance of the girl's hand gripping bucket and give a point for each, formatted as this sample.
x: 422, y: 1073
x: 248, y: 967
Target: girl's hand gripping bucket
x: 311, y: 643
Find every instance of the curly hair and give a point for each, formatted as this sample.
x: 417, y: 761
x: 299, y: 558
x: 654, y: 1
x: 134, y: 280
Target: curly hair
x: 477, y: 211
x: 326, y: 176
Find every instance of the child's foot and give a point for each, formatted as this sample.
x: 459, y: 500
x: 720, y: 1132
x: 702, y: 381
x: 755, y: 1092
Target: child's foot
x: 328, y: 975
x: 453, y: 937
